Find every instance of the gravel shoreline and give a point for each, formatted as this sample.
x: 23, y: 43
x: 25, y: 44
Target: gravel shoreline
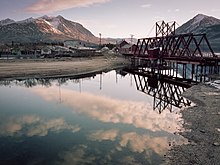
x: 202, y: 129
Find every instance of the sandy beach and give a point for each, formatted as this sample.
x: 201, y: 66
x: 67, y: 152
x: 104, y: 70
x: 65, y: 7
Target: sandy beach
x: 42, y: 68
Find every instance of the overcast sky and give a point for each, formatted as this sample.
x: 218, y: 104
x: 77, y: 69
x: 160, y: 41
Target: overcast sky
x: 112, y: 18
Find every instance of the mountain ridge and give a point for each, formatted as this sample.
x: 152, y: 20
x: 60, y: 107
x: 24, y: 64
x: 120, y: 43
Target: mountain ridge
x: 197, y: 23
x: 6, y: 21
x: 203, y: 24
x: 43, y: 29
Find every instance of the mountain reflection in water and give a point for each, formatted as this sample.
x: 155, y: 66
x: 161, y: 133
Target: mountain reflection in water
x: 97, y: 120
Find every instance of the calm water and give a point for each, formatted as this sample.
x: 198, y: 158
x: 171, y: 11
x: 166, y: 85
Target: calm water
x: 97, y: 120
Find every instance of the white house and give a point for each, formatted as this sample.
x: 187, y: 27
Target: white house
x: 46, y: 50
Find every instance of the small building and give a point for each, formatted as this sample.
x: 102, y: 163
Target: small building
x: 128, y: 49
x: 4, y: 49
x: 122, y: 43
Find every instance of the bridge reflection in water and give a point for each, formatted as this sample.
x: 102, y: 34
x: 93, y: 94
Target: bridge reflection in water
x: 166, y: 83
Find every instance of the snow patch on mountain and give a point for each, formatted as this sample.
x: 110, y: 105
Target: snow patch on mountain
x: 66, y: 29
x: 6, y: 22
x: 28, y: 20
x: 45, y: 17
x: 55, y: 22
x: 49, y: 28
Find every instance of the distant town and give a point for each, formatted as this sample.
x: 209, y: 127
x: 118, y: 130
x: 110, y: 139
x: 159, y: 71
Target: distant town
x: 68, y: 48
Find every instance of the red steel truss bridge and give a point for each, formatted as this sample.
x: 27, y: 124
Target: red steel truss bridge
x: 181, y: 48
x: 166, y: 65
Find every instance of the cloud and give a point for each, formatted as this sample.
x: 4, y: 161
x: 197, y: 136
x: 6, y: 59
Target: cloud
x: 76, y: 156
x: 136, y: 142
x: 15, y: 125
x: 50, y: 6
x: 55, y: 125
x: 129, y: 160
x: 171, y: 11
x: 177, y: 10
x: 32, y: 125
x: 141, y: 143
x: 102, y: 135
x: 146, y: 5
x: 110, y: 110
x: 146, y: 143
x: 130, y: 141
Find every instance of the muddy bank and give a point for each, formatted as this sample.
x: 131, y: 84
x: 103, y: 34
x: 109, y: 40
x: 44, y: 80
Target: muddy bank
x: 202, y: 129
x: 42, y: 68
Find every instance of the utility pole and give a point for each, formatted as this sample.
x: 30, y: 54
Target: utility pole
x: 100, y: 82
x: 100, y: 40
x: 131, y: 38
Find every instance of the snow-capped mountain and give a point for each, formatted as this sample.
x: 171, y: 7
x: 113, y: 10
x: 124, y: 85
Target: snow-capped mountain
x: 6, y: 22
x: 43, y: 29
x: 28, y: 20
x: 203, y: 24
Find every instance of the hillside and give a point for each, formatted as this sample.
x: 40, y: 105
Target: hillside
x: 43, y: 29
x: 203, y: 24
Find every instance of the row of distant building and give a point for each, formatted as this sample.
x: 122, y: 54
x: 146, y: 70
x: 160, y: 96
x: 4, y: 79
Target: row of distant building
x: 67, y: 48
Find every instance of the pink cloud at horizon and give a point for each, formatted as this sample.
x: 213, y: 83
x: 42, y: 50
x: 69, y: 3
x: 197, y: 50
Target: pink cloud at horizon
x: 50, y: 6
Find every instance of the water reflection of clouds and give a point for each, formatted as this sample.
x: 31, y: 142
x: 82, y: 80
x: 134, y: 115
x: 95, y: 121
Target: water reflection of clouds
x: 81, y: 155
x: 76, y: 156
x: 33, y: 126
x: 142, y: 144
x: 101, y: 135
x: 111, y: 110
x: 136, y: 142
